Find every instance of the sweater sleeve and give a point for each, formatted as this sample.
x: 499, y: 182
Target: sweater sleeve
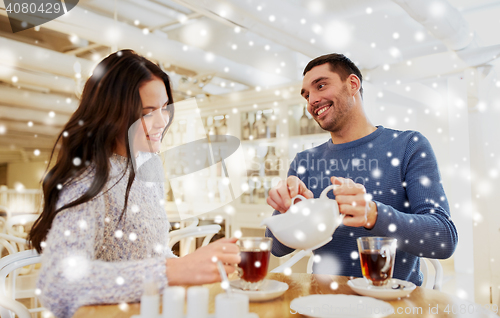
x: 279, y: 249
x: 425, y: 230
x: 71, y: 277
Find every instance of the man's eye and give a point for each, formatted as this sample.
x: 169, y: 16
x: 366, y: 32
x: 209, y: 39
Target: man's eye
x: 320, y: 86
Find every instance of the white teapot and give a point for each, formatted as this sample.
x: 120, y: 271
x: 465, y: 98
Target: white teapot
x: 307, y: 225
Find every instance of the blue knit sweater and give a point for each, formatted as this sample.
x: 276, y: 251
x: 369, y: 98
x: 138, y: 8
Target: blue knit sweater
x: 400, y: 170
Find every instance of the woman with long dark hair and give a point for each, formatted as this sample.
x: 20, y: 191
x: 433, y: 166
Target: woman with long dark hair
x: 103, y: 231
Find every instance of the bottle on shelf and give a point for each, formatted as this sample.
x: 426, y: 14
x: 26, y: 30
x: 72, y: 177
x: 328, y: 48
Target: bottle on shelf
x: 255, y: 131
x: 222, y: 129
x: 182, y: 131
x: 304, y: 123
x: 261, y: 194
x: 254, y: 199
x: 212, y: 130
x: 246, y: 129
x: 312, y: 126
x: 272, y: 126
x: 261, y: 126
x: 271, y: 162
x: 254, y: 167
x: 245, y: 197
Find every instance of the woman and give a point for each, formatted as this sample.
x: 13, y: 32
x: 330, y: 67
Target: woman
x: 103, y: 231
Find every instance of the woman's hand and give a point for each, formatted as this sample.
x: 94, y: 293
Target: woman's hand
x: 280, y: 197
x: 200, y: 267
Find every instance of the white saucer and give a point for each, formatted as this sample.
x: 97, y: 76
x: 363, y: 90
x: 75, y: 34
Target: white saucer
x: 269, y: 289
x: 340, y: 306
x: 361, y: 286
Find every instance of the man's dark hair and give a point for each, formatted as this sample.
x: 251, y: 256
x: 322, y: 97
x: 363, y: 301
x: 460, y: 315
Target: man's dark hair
x: 339, y: 64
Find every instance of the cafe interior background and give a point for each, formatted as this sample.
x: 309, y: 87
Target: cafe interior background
x: 430, y: 67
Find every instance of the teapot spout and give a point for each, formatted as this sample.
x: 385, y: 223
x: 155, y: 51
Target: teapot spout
x: 265, y: 222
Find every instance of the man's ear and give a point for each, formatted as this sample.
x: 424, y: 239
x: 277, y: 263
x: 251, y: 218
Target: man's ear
x: 353, y: 84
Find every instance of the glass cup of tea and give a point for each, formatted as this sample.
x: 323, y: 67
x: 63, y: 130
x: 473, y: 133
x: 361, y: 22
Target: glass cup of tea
x: 377, y: 255
x: 255, y: 253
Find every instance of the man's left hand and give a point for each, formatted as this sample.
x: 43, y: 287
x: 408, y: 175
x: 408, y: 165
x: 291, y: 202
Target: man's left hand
x: 354, y: 203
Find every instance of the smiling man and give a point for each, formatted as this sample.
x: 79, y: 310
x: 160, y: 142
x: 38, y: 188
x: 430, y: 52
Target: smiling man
x: 389, y: 182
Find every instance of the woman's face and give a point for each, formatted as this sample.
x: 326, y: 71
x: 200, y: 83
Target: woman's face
x: 154, y: 116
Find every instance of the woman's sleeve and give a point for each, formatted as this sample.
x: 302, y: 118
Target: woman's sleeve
x: 71, y: 277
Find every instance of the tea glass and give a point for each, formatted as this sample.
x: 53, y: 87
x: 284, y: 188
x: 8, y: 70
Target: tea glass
x: 255, y: 253
x: 377, y: 255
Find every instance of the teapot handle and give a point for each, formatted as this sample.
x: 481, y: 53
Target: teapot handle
x: 323, y: 195
x: 298, y: 196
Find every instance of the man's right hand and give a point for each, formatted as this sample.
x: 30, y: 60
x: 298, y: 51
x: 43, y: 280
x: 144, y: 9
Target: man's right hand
x: 280, y: 197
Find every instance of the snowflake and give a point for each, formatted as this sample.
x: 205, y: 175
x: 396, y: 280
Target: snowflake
x: 123, y: 306
x: 317, y: 258
x: 120, y: 280
x: 389, y: 154
x: 67, y: 233
x: 59, y: 186
x: 135, y: 208
x: 77, y: 161
x: 334, y: 285
x: 377, y: 173
x: 257, y: 264
x: 423, y: 155
x: 354, y: 255
x: 395, y: 162
x: 287, y: 271
x: 82, y: 224
x: 132, y: 236
x: 392, y: 227
x: 425, y: 181
x: 119, y: 234
x: 301, y: 170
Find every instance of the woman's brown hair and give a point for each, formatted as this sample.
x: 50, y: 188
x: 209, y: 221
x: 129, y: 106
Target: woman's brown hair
x: 110, y: 104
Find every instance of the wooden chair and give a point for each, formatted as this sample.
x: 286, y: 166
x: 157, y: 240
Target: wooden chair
x: 9, y: 265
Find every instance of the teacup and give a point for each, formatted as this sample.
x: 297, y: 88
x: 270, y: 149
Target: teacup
x: 255, y: 253
x: 377, y: 255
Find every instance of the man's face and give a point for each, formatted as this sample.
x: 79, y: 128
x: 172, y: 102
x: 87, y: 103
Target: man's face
x: 328, y: 99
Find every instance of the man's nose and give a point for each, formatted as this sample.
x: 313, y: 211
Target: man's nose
x: 313, y: 99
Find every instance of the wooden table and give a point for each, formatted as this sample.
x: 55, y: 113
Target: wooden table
x: 416, y: 305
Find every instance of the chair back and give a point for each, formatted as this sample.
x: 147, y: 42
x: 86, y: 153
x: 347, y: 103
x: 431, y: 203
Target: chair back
x: 8, y: 265
x: 435, y: 282
x: 190, y: 233
x: 17, y: 222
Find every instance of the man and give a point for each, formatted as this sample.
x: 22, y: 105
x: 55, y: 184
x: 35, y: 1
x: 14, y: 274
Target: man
x: 389, y: 180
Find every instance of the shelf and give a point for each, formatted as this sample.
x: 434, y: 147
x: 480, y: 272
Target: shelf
x: 311, y: 136
x: 262, y: 141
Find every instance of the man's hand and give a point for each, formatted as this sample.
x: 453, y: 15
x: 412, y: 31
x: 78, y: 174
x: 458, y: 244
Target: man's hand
x: 355, y: 203
x: 280, y: 197
x: 200, y: 267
